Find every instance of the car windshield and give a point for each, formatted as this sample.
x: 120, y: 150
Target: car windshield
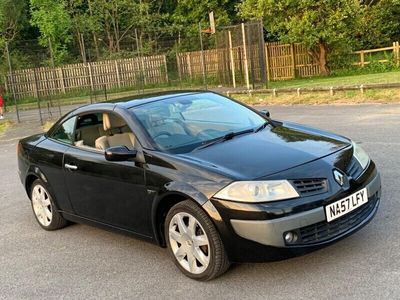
x: 183, y: 123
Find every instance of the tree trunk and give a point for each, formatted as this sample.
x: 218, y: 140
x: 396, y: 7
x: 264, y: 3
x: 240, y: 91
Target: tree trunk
x: 322, y: 61
x: 319, y: 55
x: 81, y: 49
x: 110, y: 37
x: 96, y: 45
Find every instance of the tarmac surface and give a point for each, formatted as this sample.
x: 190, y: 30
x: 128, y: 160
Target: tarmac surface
x: 83, y: 262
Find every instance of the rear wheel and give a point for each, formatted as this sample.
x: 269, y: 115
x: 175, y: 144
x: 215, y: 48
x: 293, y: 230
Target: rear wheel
x: 44, y: 209
x: 194, y: 243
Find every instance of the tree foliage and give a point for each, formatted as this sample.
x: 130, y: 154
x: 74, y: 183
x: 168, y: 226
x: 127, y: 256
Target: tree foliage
x: 13, y: 18
x: 380, y: 24
x: 79, y: 30
x: 54, y: 23
x: 321, y: 25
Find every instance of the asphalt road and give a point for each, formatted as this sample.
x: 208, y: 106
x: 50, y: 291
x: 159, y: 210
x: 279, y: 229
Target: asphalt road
x: 82, y: 262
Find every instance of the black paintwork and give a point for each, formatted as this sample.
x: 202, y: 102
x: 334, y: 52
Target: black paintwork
x: 127, y: 195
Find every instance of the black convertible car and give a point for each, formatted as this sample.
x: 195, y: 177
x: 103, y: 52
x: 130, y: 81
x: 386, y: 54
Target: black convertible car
x: 207, y: 177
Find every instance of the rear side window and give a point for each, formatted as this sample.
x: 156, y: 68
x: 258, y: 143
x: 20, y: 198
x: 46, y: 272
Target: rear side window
x: 65, y: 132
x: 89, y: 120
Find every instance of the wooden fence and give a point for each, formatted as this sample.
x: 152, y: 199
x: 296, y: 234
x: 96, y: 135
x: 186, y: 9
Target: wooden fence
x: 218, y: 63
x: 283, y: 61
x: 287, y: 61
x: 365, y: 56
x: 111, y: 73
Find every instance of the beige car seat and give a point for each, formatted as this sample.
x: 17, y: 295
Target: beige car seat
x: 110, y: 122
x: 89, y: 135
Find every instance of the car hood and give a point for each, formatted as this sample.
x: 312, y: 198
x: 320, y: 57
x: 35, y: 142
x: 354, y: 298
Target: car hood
x: 269, y: 151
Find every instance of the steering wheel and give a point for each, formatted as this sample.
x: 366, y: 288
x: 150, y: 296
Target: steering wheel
x: 161, y: 133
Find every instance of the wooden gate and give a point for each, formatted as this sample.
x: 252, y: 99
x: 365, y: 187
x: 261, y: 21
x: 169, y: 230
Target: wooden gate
x: 287, y: 61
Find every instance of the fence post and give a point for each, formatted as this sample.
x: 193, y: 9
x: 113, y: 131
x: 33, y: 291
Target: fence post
x: 396, y: 53
x: 189, y: 62
x: 61, y: 76
x: 293, y: 60
x: 166, y: 68
x: 267, y: 62
x: 179, y: 66
x: 144, y: 71
x: 12, y: 82
x: 37, y: 95
x: 35, y: 84
x: 91, y: 80
x: 117, y: 70
x: 246, y: 66
x: 362, y: 58
x: 203, y: 66
x: 231, y: 59
x: 262, y: 55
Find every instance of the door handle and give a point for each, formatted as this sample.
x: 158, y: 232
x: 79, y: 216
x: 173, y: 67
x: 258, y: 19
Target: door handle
x: 71, y: 167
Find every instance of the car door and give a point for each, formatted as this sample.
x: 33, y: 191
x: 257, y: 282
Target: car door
x: 113, y: 193
x: 48, y: 157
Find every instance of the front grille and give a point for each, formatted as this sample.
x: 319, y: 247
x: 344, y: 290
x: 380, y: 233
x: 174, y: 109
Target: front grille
x: 323, y: 231
x: 354, y: 168
x: 310, y: 187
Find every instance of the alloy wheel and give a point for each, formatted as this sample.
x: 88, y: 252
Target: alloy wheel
x: 189, y: 243
x: 42, y: 205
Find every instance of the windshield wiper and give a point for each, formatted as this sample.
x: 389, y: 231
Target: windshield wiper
x: 261, y: 127
x: 226, y: 137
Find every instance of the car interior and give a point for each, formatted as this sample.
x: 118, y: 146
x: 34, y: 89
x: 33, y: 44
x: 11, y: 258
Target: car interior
x: 170, y: 126
x: 103, y: 130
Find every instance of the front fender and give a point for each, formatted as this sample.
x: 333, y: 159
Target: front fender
x: 172, y: 193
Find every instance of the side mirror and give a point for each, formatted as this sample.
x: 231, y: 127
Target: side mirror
x: 119, y: 153
x: 265, y: 112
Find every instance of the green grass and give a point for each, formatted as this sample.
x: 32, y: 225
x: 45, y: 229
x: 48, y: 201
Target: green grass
x: 386, y: 77
x: 314, y: 98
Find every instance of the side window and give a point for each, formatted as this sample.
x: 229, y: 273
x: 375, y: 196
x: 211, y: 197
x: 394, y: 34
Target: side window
x: 101, y: 130
x: 65, y: 132
x: 89, y: 128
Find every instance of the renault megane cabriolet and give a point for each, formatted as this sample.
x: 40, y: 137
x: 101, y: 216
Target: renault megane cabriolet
x: 209, y: 178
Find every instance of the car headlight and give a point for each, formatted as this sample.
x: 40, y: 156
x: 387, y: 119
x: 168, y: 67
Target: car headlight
x: 257, y: 191
x: 361, y: 156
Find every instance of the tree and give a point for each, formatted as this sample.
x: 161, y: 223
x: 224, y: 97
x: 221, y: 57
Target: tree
x: 321, y: 25
x: 380, y: 24
x: 115, y: 20
x: 188, y: 13
x: 54, y: 24
x: 13, y: 17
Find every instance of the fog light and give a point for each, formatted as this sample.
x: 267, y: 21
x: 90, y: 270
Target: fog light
x: 290, y: 237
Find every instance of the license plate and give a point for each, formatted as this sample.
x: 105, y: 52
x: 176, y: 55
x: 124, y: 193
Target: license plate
x: 344, y: 206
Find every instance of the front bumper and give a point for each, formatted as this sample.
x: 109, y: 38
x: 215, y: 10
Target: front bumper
x: 310, y: 226
x: 255, y: 233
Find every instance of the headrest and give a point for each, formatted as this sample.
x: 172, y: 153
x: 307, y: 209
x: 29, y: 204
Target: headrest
x: 111, y: 121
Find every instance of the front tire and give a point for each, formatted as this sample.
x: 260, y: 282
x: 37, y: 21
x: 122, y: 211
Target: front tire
x: 194, y: 243
x: 43, y: 207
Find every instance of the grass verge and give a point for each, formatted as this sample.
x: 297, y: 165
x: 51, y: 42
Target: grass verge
x: 3, y: 126
x: 386, y: 77
x: 314, y: 98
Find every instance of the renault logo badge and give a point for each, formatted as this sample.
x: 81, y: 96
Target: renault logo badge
x: 339, y: 177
